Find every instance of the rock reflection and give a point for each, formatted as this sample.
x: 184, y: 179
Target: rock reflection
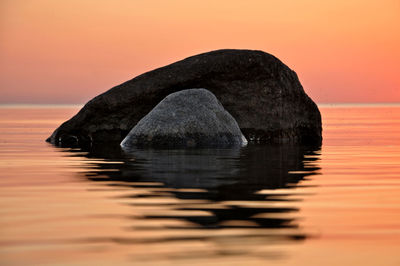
x: 208, y: 194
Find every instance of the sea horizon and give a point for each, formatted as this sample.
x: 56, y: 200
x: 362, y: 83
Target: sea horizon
x: 77, y: 105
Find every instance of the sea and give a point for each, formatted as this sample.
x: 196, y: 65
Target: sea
x: 337, y: 204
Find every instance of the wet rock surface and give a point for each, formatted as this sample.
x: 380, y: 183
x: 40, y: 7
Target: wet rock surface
x: 257, y: 89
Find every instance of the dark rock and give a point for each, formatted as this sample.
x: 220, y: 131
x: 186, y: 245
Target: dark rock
x: 188, y: 118
x: 259, y: 91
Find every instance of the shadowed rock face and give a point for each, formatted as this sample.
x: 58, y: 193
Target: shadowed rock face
x: 259, y: 91
x: 188, y: 118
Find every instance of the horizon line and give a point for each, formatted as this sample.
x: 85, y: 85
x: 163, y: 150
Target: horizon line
x: 70, y: 105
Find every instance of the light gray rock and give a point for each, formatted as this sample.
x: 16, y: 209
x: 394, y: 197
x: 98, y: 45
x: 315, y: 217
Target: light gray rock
x: 188, y: 118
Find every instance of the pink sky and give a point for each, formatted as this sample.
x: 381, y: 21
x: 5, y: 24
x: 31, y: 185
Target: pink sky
x: 70, y: 51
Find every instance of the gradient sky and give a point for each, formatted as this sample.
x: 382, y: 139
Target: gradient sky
x: 69, y: 51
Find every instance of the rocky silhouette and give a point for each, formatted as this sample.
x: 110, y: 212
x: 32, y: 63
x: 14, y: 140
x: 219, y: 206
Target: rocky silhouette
x: 257, y: 89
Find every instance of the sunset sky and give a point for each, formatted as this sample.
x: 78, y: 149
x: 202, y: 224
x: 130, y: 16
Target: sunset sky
x: 69, y: 51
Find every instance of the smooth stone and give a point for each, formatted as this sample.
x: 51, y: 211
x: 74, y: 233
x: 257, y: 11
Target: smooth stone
x: 188, y: 118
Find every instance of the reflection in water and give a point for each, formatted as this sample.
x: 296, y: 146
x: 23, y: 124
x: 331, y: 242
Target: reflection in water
x: 253, y: 205
x: 228, y: 195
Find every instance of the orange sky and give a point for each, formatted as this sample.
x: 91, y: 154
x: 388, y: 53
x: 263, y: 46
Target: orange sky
x: 70, y: 51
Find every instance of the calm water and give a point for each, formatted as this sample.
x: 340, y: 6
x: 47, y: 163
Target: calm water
x: 338, y: 204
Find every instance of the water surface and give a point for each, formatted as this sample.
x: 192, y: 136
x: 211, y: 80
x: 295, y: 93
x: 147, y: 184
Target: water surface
x: 283, y: 205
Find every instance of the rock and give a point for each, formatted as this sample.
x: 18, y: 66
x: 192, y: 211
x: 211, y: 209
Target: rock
x: 188, y: 118
x: 258, y: 90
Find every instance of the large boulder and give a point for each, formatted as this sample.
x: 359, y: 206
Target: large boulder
x: 188, y: 118
x: 257, y: 89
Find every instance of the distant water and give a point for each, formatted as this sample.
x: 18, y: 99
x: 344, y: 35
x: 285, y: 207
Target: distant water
x: 338, y: 204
